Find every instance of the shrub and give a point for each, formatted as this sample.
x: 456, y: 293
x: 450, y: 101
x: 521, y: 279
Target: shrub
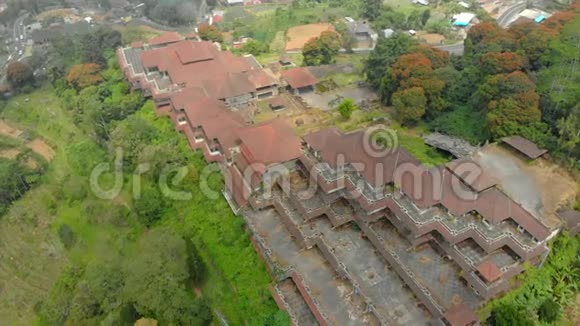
x: 67, y: 236
x: 549, y: 311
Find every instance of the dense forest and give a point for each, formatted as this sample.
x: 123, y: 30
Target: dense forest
x: 523, y: 80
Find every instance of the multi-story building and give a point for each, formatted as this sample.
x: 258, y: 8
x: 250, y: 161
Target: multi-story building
x: 351, y: 234
x: 170, y: 63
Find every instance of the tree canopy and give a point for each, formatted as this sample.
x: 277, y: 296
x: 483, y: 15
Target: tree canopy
x: 19, y: 74
x: 516, y: 81
x: 321, y: 50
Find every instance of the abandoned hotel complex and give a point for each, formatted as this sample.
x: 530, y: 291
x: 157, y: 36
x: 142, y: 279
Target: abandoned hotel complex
x: 350, y: 235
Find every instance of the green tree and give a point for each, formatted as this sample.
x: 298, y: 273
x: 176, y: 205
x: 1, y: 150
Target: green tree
x: 549, y: 311
x: 67, y: 236
x: 509, y: 315
x: 371, y: 8
x: 155, y: 281
x: 511, y: 101
x: 384, y: 55
x: 321, y: 50
x: 150, y: 206
x: 425, y: 17
x: 410, y: 104
x: 255, y: 47
x: 346, y: 108
x: 209, y: 33
x: 279, y: 318
x: 569, y: 134
x: 15, y: 180
x: 132, y: 136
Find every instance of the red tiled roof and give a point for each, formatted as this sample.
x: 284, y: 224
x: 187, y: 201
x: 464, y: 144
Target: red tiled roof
x: 334, y: 145
x: 190, y: 52
x: 136, y: 44
x: 426, y: 187
x: 191, y: 35
x: 200, y: 64
x: 472, y: 174
x: 489, y: 271
x: 440, y: 186
x: 460, y: 315
x: 270, y: 143
x: 525, y: 146
x: 277, y: 101
x: 261, y: 77
x: 299, y: 77
x: 217, y: 19
x: 166, y: 38
x: 228, y: 85
x: 216, y: 120
x: 186, y: 96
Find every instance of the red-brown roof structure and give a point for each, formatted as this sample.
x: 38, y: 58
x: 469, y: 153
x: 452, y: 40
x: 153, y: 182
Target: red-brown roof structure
x: 216, y: 120
x: 525, y: 146
x: 299, y: 77
x: 336, y: 148
x: 460, y: 315
x: 489, y: 271
x: 270, y: 143
x: 427, y: 187
x: 472, y: 174
x: 166, y: 38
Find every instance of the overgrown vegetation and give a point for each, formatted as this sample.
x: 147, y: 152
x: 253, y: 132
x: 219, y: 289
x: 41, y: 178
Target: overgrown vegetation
x: 545, y: 292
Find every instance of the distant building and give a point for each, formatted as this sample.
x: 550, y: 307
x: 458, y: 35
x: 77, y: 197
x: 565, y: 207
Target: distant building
x: 463, y: 19
x: 388, y: 32
x: 362, y: 32
x: 235, y: 2
x: 421, y: 2
x: 535, y: 15
x: 300, y: 80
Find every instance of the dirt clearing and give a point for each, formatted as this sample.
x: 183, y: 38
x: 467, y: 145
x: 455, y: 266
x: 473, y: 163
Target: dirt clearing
x: 540, y: 186
x: 8, y: 130
x: 297, y: 36
x: 38, y: 145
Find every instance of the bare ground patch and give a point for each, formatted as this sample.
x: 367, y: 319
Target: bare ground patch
x: 540, y: 178
x: 7, y: 130
x: 9, y: 153
x: 38, y: 145
x: 41, y: 148
x: 297, y: 36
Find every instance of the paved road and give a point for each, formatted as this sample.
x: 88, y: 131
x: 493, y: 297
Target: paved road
x: 17, y: 44
x: 510, y: 14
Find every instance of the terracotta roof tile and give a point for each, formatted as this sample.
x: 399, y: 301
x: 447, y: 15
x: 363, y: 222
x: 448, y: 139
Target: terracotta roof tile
x: 166, y: 38
x: 460, y: 315
x: 525, y: 146
x: 270, y: 143
x: 299, y: 77
x: 426, y: 187
x: 489, y: 271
